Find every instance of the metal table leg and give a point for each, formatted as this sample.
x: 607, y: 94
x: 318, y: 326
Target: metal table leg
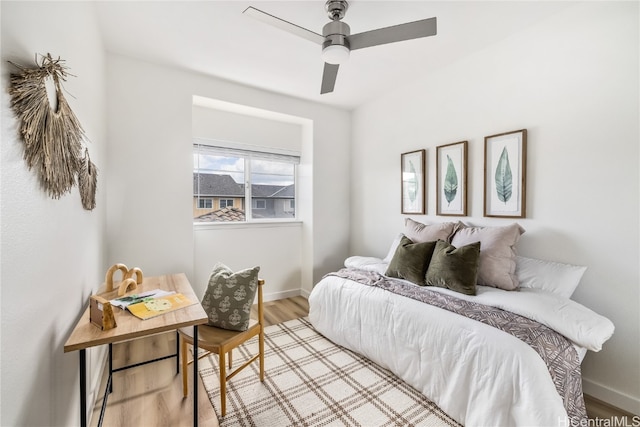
x: 109, y: 386
x: 195, y: 375
x: 110, y: 368
x: 83, y: 388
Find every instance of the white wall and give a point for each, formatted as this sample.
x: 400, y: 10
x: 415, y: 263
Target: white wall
x: 572, y: 81
x: 276, y: 248
x: 150, y: 170
x: 52, y: 251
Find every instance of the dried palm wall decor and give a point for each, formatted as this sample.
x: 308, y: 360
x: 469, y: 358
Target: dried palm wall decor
x: 52, y: 138
x: 87, y: 181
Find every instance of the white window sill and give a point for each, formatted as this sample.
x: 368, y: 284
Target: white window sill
x: 198, y: 226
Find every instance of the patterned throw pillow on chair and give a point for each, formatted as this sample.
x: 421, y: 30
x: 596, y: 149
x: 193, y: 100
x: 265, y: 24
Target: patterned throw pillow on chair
x: 229, y: 297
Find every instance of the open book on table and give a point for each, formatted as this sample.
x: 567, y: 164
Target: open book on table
x: 152, y: 303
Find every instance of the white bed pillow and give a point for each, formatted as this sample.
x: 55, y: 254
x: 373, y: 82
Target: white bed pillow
x: 392, y: 249
x: 560, y: 279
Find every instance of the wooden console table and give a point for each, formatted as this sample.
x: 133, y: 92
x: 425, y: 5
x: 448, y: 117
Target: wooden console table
x: 86, y: 335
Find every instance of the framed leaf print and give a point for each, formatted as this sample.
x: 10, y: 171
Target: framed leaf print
x: 505, y: 172
x: 412, y: 182
x: 451, y: 179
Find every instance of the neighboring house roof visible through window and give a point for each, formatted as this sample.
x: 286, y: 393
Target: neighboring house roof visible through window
x: 222, y: 215
x: 213, y: 185
x: 216, y: 185
x: 287, y: 192
x: 273, y: 191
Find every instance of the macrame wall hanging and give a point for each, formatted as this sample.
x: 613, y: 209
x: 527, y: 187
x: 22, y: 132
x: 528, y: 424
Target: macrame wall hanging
x: 52, y: 134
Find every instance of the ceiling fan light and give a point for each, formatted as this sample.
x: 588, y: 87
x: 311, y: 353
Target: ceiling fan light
x: 335, y: 54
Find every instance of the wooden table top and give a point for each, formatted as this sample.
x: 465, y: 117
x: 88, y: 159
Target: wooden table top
x: 85, y: 334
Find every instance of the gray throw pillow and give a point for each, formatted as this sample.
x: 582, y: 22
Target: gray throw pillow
x: 454, y: 268
x: 410, y: 261
x: 498, y: 255
x: 229, y: 297
x: 419, y: 232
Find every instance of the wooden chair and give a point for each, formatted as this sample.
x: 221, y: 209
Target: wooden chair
x: 222, y: 342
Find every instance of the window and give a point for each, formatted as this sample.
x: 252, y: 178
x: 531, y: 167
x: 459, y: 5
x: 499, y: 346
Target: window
x: 205, y: 204
x: 264, y: 181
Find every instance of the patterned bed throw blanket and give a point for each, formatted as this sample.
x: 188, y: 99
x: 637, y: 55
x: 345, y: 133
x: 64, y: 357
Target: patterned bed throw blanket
x: 557, y: 351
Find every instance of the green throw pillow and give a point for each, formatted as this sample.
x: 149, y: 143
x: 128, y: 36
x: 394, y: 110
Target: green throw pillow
x: 410, y: 261
x: 229, y: 297
x: 454, y: 268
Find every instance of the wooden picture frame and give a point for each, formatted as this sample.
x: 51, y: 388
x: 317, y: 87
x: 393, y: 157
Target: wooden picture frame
x: 412, y: 182
x: 451, y: 179
x: 505, y: 173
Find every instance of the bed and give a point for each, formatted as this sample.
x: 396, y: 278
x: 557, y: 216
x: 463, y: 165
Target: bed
x: 487, y: 355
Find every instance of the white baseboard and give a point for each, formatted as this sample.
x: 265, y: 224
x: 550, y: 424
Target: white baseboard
x: 273, y: 296
x: 305, y: 293
x: 613, y: 397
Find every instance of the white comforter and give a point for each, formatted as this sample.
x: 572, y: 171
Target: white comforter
x: 477, y: 374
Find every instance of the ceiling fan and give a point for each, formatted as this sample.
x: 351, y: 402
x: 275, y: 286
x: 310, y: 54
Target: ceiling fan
x: 336, y: 39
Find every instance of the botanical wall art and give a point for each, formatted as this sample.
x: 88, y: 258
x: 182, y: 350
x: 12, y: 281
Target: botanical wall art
x: 413, y: 182
x: 451, y: 179
x: 505, y: 159
x: 51, y: 132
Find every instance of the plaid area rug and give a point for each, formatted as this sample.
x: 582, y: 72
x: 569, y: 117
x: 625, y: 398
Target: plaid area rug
x: 309, y: 381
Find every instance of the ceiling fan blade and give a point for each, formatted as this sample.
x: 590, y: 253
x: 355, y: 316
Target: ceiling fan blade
x: 329, y: 77
x: 284, y: 25
x: 396, y: 33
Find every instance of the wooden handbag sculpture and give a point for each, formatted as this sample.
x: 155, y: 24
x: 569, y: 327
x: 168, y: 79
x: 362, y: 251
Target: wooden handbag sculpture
x: 128, y: 283
x: 101, y: 311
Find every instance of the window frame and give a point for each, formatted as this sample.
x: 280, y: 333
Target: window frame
x: 249, y: 153
x: 205, y: 199
x: 226, y: 203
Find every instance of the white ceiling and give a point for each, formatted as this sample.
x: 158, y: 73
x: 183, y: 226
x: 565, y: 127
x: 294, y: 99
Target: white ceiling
x: 215, y: 38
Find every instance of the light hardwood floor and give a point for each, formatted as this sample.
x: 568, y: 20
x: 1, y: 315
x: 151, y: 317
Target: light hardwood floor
x: 151, y: 395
